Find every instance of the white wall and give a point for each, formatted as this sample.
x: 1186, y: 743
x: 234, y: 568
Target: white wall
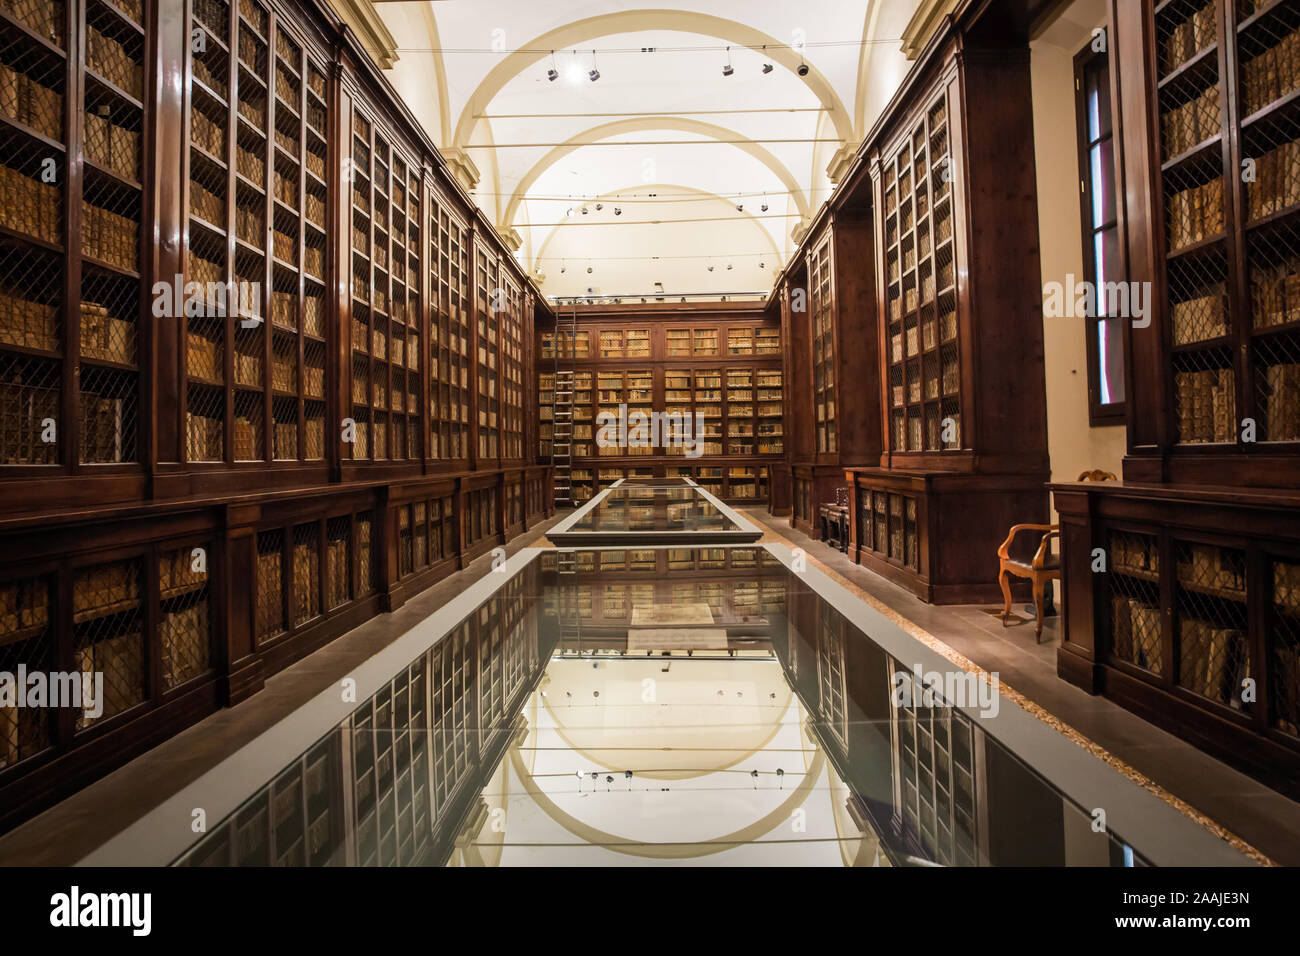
x: 1073, y: 444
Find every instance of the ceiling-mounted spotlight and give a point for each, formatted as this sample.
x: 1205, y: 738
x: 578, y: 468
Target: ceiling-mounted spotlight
x: 762, y: 265
x: 594, y: 75
x: 740, y: 207
x: 552, y: 74
x: 767, y: 67
x: 588, y: 270
x: 569, y: 211
x: 599, y: 206
x: 617, y: 211
x: 802, y: 69
x: 728, y: 69
x: 561, y: 267
x: 584, y: 210
x: 728, y: 266
x: 763, y: 208
x: 710, y: 267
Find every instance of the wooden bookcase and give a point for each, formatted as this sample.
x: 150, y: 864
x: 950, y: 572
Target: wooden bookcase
x: 828, y: 309
x: 722, y: 361
x: 1198, y: 594
x: 961, y: 426
x: 333, y: 252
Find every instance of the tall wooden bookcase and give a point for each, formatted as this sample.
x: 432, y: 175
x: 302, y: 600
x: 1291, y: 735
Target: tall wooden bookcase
x: 961, y: 395
x: 1195, y: 621
x: 205, y: 483
x: 720, y: 360
x: 827, y: 299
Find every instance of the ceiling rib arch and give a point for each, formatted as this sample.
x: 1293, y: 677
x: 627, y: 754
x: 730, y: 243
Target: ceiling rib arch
x: 636, y: 124
x: 632, y: 21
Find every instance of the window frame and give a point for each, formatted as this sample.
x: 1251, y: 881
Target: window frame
x: 1087, y: 62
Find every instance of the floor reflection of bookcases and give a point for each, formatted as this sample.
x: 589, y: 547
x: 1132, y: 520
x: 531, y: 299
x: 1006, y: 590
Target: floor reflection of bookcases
x: 934, y: 787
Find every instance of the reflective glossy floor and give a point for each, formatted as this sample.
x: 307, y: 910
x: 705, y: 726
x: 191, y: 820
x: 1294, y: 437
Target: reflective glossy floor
x: 702, y: 706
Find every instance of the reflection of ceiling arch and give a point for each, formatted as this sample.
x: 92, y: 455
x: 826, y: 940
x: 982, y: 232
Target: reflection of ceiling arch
x: 778, y: 259
x: 672, y: 851
x: 631, y: 21
x: 678, y: 123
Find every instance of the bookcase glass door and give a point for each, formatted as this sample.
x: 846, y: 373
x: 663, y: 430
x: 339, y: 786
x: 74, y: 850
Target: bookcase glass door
x: 924, y: 381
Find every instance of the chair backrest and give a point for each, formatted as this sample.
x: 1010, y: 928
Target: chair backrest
x: 1096, y: 474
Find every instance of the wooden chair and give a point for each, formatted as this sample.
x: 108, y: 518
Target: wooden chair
x: 1044, y: 566
x: 1096, y: 474
x: 835, y: 520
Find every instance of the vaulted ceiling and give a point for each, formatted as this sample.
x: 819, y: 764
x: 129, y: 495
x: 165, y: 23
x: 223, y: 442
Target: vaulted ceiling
x: 663, y: 172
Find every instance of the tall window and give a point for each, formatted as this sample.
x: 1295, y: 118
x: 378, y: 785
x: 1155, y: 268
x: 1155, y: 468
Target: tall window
x: 1101, y: 237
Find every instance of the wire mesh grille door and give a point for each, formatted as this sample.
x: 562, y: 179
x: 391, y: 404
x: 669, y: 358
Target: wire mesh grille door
x: 338, y: 585
x: 306, y: 573
x: 184, y: 621
x: 1284, y: 648
x: 25, y: 640
x: 32, y: 246
x: 270, y: 585
x: 1137, y: 630
x: 1268, y: 49
x: 1213, y: 658
x: 109, y: 637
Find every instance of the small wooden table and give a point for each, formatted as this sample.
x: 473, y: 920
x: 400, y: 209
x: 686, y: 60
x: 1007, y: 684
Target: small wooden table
x: 835, y: 525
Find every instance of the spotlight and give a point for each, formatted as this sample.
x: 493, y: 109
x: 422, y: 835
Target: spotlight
x: 762, y: 265
x: 617, y: 211
x: 763, y: 208
x: 710, y: 268
x: 767, y: 67
x: 728, y: 266
x: 740, y: 207
x: 728, y: 70
x: 584, y: 210
x: 569, y: 211
x: 588, y: 270
x: 552, y: 74
x: 599, y: 206
x: 594, y: 75
x: 803, y: 69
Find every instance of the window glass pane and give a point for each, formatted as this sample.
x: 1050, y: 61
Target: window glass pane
x: 1105, y: 253
x: 1110, y: 354
x: 1098, y: 91
x: 1102, y: 176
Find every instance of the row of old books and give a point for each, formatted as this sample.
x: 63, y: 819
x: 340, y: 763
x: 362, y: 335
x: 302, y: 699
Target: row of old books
x: 285, y: 435
x: 1286, y: 586
x: 249, y: 220
x: 103, y: 427
x: 1275, y: 294
x: 270, y: 588
x: 204, y: 437
x: 204, y: 357
x: 120, y: 658
x: 177, y: 572
x: 29, y: 400
x: 1186, y: 37
x: 109, y: 237
x: 132, y: 8
x: 1134, y: 553
x: 248, y: 163
x: 44, y: 17
x: 23, y: 730
x: 112, y: 146
x: 306, y: 581
x: 28, y: 324
x: 29, y: 206
x: 1207, y: 403
x: 1191, y: 123
x: 105, y: 336
x: 24, y: 605
x: 1206, y: 566
x: 337, y: 584
x: 1272, y: 74
x: 110, y: 60
x: 1201, y: 318
x: 1283, y: 402
x: 28, y: 101
x: 248, y: 369
x: 1136, y: 633
x: 1195, y: 214
x: 105, y: 587
x: 1213, y: 659
x: 246, y: 432
x: 1277, y: 181
x: 183, y: 635
x: 203, y: 270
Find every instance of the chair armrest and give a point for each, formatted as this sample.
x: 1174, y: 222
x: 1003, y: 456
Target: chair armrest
x: 1040, y: 556
x: 1004, y: 551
